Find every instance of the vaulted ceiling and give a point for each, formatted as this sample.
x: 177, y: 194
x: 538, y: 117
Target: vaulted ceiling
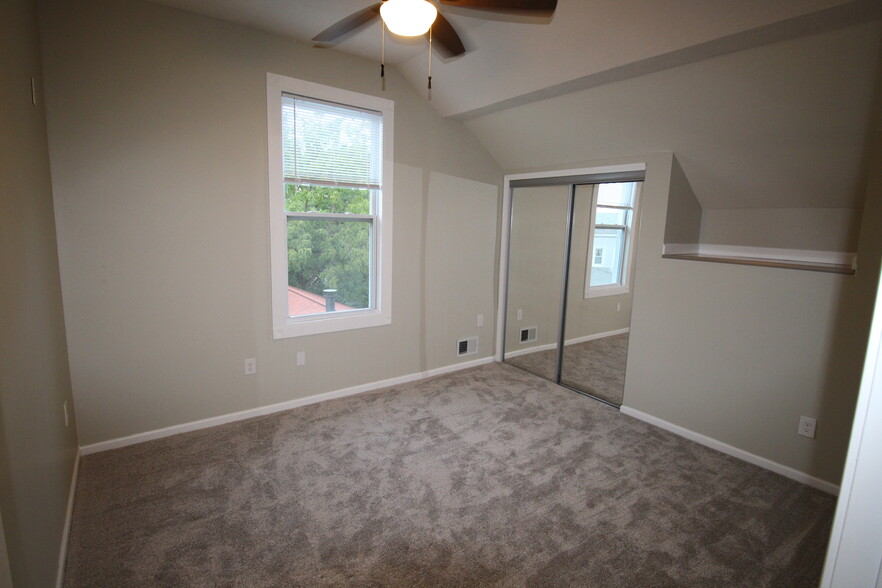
x: 766, y: 103
x: 511, y: 61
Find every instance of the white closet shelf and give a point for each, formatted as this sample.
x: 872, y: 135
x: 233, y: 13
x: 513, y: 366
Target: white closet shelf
x: 797, y: 259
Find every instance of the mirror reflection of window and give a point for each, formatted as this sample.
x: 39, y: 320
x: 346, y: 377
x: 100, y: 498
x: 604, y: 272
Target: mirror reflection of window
x: 613, y: 209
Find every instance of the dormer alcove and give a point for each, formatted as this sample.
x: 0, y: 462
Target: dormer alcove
x: 813, y: 239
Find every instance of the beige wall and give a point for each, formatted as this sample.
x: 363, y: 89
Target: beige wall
x: 536, y: 261
x: 754, y: 348
x: 157, y: 125
x: 735, y: 353
x: 460, y: 257
x: 817, y: 229
x: 684, y: 216
x: 738, y: 353
x: 37, y: 451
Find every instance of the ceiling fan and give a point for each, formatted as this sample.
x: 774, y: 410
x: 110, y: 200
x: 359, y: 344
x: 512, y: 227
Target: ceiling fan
x: 442, y: 32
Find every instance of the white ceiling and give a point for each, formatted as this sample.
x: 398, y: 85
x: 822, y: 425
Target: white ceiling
x: 586, y: 43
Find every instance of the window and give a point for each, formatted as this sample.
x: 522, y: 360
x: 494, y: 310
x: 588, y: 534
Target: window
x: 330, y: 207
x: 613, y: 211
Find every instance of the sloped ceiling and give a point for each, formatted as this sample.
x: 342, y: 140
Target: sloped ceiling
x: 778, y: 126
x: 757, y: 117
x: 509, y: 60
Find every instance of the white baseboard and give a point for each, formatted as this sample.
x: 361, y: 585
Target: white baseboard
x: 596, y: 336
x: 447, y: 369
x: 65, y: 534
x: 548, y: 346
x: 762, y: 462
x: 529, y: 350
x: 272, y: 408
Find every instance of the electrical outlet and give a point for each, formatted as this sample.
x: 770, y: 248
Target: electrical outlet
x: 250, y: 366
x: 807, y: 426
x: 66, y: 415
x: 618, y: 307
x: 301, y: 358
x: 520, y: 314
x: 480, y: 320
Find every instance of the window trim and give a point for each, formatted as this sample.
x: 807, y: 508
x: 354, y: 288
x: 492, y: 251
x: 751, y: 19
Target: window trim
x: 284, y: 326
x: 630, y: 253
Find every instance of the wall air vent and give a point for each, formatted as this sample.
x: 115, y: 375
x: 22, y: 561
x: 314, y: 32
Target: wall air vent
x: 528, y: 335
x: 467, y: 346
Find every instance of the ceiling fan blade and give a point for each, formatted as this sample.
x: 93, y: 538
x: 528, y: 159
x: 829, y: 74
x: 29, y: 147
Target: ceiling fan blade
x: 533, y: 7
x: 340, y: 29
x: 444, y: 37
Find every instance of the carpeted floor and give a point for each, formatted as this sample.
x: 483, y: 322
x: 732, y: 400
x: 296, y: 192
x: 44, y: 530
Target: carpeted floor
x: 489, y: 476
x: 596, y: 367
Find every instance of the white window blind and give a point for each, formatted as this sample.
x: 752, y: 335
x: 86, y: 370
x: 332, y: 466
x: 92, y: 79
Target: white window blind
x: 327, y: 144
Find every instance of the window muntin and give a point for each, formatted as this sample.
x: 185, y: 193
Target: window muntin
x: 613, y: 209
x: 330, y: 206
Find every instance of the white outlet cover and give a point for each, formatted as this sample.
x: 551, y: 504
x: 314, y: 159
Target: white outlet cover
x: 250, y: 366
x: 807, y: 427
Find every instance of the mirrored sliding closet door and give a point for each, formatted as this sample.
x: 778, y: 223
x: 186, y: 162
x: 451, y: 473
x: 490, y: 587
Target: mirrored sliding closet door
x: 570, y: 283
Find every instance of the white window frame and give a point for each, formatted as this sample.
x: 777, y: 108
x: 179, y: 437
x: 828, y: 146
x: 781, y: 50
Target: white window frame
x: 624, y: 286
x: 381, y: 312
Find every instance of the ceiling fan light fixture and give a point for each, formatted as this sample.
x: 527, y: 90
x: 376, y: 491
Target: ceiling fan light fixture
x: 408, y: 18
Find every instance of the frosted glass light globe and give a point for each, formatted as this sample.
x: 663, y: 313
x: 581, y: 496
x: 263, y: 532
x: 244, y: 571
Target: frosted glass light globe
x: 408, y: 18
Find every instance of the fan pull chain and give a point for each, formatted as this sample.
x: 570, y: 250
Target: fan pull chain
x: 430, y: 63
x: 383, y: 54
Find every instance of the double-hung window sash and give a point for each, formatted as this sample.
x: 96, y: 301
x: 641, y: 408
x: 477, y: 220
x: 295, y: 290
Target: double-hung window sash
x: 331, y: 145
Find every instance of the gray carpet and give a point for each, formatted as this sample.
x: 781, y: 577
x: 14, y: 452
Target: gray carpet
x: 489, y: 476
x: 596, y: 367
